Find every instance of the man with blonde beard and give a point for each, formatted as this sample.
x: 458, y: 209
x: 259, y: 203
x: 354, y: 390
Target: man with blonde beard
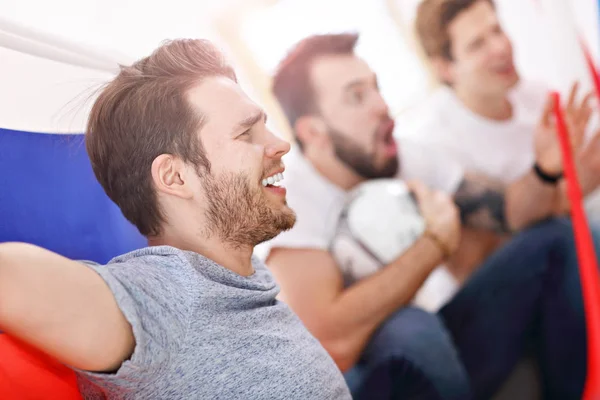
x: 186, y: 155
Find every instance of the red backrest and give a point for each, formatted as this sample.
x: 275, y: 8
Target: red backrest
x: 28, y: 374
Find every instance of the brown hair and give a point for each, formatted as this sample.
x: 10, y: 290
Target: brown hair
x: 144, y: 112
x: 432, y: 21
x: 291, y: 83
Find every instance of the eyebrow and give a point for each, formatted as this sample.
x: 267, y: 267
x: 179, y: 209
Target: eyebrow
x: 360, y: 82
x: 248, y: 122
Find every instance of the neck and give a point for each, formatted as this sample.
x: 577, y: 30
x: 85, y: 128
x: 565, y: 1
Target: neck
x: 234, y: 258
x: 496, y: 107
x: 334, y: 170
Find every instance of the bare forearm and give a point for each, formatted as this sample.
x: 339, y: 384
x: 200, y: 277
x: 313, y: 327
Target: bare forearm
x: 529, y: 200
x: 360, y: 309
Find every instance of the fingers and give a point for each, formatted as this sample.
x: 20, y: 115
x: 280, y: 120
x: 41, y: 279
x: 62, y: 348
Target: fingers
x: 547, y: 113
x: 584, y: 111
x: 430, y: 201
x: 419, y: 189
x: 593, y: 146
x: 579, y: 117
x: 571, y: 103
x: 585, y: 104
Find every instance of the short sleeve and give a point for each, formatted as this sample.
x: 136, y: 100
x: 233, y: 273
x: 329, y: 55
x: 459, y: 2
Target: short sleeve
x: 429, y: 164
x: 154, y: 294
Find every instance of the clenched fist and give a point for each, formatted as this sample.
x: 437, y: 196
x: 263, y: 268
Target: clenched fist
x: 441, y: 215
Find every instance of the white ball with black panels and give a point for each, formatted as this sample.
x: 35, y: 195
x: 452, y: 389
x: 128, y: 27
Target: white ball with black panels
x: 378, y: 223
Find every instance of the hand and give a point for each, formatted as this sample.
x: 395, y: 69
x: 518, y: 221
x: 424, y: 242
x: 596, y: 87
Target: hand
x: 441, y: 216
x: 588, y: 164
x: 547, y: 145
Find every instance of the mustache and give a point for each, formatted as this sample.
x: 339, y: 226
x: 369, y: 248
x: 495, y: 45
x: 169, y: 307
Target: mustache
x: 271, y: 168
x: 384, y: 125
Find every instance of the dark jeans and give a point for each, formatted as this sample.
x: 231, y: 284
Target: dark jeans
x: 527, y: 295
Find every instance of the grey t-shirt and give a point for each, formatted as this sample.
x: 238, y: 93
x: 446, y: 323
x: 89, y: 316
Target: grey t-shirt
x: 204, y: 332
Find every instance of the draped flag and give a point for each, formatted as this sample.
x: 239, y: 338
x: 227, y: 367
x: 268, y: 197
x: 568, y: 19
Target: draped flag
x: 48, y: 193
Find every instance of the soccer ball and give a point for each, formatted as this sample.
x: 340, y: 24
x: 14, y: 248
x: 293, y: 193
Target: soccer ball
x: 378, y: 223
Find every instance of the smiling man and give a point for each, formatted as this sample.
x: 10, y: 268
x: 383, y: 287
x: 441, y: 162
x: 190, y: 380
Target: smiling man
x: 185, y: 154
x: 485, y: 115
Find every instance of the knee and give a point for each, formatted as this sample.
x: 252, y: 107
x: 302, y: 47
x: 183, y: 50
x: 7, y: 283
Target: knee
x: 557, y: 235
x: 416, y: 345
x: 553, y: 238
x: 554, y: 229
x: 415, y: 335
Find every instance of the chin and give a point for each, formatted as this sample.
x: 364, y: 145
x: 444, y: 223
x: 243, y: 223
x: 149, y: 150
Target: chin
x: 389, y: 168
x: 281, y: 221
x: 510, y: 81
x: 513, y: 81
x: 286, y: 219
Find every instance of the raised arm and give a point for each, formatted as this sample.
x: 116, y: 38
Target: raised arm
x: 540, y: 193
x: 342, y: 318
x: 61, y: 307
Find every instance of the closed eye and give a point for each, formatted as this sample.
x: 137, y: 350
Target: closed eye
x: 244, y: 134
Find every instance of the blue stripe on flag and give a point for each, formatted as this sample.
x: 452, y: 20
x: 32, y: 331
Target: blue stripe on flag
x: 50, y: 197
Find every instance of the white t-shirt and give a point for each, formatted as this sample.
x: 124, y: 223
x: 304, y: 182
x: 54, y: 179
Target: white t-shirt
x: 500, y: 150
x: 318, y: 204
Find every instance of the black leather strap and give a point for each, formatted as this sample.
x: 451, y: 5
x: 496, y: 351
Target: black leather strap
x: 547, y: 178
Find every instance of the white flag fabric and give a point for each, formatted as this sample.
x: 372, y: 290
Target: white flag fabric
x: 49, y: 195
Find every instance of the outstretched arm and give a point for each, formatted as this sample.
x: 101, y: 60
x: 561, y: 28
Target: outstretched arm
x: 61, y: 307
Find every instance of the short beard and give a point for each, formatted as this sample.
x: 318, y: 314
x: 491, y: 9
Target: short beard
x: 239, y: 215
x: 359, y: 160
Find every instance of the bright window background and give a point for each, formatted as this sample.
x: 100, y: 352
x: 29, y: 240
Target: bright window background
x: 388, y: 43
x: 270, y: 32
x: 255, y: 34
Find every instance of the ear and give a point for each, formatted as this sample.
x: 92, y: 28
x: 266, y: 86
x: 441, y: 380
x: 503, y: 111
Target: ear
x: 443, y: 69
x: 311, y: 131
x: 170, y: 174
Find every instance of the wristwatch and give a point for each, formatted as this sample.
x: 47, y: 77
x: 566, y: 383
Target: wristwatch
x: 547, y: 178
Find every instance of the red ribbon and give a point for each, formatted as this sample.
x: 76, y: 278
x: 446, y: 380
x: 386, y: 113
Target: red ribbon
x: 588, y: 264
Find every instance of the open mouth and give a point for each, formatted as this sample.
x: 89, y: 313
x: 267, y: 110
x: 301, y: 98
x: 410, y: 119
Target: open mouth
x: 387, y: 138
x: 505, y: 68
x: 274, y: 184
x: 273, y: 180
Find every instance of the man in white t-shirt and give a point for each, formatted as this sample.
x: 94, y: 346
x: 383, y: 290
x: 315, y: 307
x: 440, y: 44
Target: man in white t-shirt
x: 387, y: 348
x: 484, y: 115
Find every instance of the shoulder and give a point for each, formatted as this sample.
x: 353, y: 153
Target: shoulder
x: 425, y: 120
x: 154, y: 282
x: 148, y: 266
x: 156, y: 289
x: 429, y: 162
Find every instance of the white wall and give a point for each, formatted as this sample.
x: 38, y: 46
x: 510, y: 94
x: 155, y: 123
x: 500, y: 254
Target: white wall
x: 543, y: 50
